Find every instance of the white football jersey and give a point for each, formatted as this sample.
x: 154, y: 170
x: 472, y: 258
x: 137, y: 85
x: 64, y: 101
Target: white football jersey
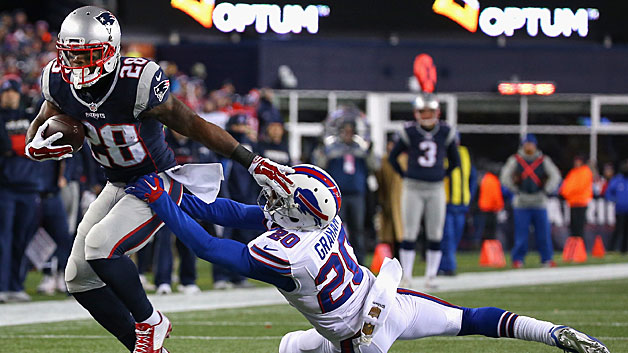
x: 330, y: 284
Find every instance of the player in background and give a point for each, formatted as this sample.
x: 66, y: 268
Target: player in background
x: 307, y: 257
x: 123, y: 104
x: 428, y: 142
x: 20, y: 184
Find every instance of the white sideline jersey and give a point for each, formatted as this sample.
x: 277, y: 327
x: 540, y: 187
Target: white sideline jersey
x: 330, y: 284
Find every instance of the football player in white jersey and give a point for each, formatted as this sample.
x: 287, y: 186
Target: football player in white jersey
x: 306, y: 255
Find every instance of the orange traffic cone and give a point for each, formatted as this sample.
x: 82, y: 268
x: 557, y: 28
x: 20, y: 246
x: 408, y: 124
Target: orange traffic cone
x: 574, y: 250
x: 492, y: 254
x: 382, y: 250
x: 598, y: 247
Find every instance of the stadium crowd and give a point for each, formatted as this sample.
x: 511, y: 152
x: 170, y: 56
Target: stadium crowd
x: 43, y: 202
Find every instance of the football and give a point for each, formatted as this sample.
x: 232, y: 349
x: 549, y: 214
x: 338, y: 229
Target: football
x: 73, y: 131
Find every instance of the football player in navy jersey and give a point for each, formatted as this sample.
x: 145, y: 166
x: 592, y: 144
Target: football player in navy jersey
x: 123, y: 104
x: 428, y: 142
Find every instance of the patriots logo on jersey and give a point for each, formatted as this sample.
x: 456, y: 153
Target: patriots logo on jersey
x: 161, y: 89
x: 106, y: 18
x: 308, y: 204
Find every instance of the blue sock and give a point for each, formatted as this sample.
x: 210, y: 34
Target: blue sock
x: 121, y: 275
x: 487, y: 321
x: 110, y: 313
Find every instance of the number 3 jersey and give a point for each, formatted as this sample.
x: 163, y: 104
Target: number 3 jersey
x: 123, y: 143
x: 330, y: 284
x: 427, y: 150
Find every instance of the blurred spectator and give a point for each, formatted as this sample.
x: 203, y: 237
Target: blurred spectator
x: 24, y: 50
x: 460, y: 187
x: 80, y: 173
x: 577, y: 190
x: 530, y: 175
x: 186, y: 151
x: 490, y: 203
x: 19, y: 192
x: 617, y: 192
x: 172, y: 73
x: 54, y: 221
x: 348, y: 112
x: 211, y: 110
x: 348, y: 159
x: 389, y: 196
x: 266, y: 110
x: 274, y: 145
x: 242, y: 188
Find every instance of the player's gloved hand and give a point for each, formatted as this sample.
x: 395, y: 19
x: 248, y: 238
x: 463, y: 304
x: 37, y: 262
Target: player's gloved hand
x: 268, y: 173
x: 40, y: 149
x: 147, y: 188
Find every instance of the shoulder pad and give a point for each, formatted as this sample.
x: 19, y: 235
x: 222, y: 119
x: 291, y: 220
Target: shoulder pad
x: 152, y: 88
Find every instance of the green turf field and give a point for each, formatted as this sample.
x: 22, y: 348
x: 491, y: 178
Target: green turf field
x: 467, y: 262
x: 598, y: 308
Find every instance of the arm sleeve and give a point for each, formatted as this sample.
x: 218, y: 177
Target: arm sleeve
x: 225, y: 212
x: 225, y: 252
x: 399, y: 147
x: 505, y: 177
x: 453, y: 157
x: 553, y: 173
x: 473, y: 182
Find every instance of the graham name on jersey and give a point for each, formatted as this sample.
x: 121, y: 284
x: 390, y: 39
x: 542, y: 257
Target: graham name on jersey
x: 327, y: 240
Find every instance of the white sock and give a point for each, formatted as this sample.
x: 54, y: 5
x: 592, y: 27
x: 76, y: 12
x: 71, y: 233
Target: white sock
x: 153, y: 319
x: 529, y: 329
x: 432, y: 260
x: 406, y: 258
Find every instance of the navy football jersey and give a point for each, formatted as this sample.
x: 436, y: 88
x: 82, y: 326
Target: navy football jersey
x: 427, y: 151
x: 123, y: 143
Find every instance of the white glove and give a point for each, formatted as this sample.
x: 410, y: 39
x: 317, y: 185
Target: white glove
x: 270, y: 174
x: 40, y: 149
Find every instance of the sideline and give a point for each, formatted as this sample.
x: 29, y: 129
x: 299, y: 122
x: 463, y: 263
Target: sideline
x: 69, y: 309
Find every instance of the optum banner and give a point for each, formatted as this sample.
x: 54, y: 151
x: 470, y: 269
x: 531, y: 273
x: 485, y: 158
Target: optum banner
x: 537, y: 21
x: 228, y: 17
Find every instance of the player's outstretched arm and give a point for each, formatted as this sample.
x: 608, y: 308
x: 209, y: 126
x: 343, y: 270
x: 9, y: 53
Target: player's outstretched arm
x: 176, y: 115
x: 225, y: 212
x: 226, y: 252
x: 150, y: 188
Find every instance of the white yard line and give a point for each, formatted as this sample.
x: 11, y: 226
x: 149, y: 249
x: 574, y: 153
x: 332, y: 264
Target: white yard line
x: 69, y: 309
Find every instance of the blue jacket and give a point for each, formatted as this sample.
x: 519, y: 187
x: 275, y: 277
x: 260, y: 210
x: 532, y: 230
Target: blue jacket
x: 347, y: 164
x: 617, y: 192
x: 17, y: 172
